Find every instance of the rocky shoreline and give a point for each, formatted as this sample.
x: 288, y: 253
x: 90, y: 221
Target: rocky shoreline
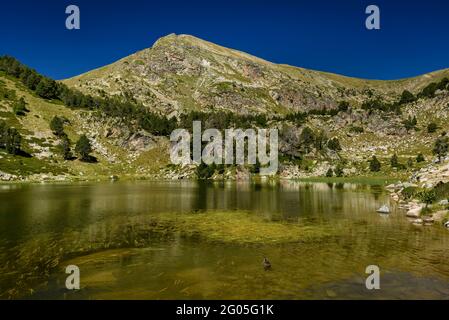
x: 409, y: 196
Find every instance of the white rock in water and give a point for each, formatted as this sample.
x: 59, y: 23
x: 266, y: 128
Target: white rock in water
x: 414, y: 212
x: 443, y: 203
x: 428, y: 220
x: 384, y: 209
x: 418, y: 221
x: 447, y: 224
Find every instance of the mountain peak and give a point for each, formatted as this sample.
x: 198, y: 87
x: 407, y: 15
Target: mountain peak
x: 182, y: 72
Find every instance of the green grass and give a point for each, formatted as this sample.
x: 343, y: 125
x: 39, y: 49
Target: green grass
x: 23, y: 166
x: 370, y: 180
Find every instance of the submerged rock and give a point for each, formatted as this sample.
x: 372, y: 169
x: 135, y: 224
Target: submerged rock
x: 384, y: 209
x: 428, y: 220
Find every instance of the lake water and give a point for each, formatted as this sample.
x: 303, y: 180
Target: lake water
x: 189, y: 240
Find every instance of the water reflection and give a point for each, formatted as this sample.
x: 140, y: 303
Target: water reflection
x: 181, y: 268
x: 30, y: 209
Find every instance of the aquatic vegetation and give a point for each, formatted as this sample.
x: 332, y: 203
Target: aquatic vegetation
x: 32, y: 262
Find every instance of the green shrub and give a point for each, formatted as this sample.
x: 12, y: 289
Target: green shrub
x: 427, y: 196
x: 432, y: 127
x: 204, y: 171
x: 334, y: 144
x: 441, y: 146
x: 394, y: 162
x: 420, y: 158
x: 19, y: 107
x: 374, y: 164
x: 442, y: 190
x: 356, y: 129
x: 407, y: 97
x: 343, y: 106
x: 409, y: 192
x: 57, y: 126
x: 410, y: 123
x: 338, y: 171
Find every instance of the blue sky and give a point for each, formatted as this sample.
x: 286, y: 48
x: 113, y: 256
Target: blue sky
x: 321, y: 34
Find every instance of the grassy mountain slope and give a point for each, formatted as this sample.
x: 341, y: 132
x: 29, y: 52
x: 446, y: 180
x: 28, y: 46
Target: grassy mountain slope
x: 181, y: 74
x: 41, y: 145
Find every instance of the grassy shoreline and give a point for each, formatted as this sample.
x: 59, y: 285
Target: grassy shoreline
x: 369, y: 180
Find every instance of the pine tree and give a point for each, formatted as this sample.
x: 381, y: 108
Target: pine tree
x: 83, y: 148
x: 441, y: 147
x: 374, y: 164
x: 307, y: 138
x: 64, y: 148
x: 47, y: 89
x: 13, y: 141
x: 57, y: 126
x: 394, y: 161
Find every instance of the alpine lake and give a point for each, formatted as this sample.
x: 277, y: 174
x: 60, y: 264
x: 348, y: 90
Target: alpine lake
x: 207, y: 240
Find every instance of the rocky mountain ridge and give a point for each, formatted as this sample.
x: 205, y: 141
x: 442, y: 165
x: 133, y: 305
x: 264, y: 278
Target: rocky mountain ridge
x: 181, y: 74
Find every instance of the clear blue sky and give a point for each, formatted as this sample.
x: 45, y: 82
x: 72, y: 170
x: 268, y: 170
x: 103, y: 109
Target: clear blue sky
x: 319, y: 34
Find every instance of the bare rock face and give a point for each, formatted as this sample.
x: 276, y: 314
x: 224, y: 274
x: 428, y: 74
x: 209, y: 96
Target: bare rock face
x: 140, y: 141
x: 181, y: 72
x: 7, y: 177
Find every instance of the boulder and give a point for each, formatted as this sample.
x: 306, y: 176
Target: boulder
x: 443, y: 202
x: 418, y: 221
x: 414, y: 212
x: 409, y: 185
x: 439, y: 215
x: 428, y: 220
x: 391, y: 187
x: 395, y: 197
x: 384, y: 209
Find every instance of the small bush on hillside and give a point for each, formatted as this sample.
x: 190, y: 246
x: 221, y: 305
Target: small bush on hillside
x: 20, y: 107
x: 427, y: 196
x: 374, y: 164
x: 432, y: 127
x: 420, y: 158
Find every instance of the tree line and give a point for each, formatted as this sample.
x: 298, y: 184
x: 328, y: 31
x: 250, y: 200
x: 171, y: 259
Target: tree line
x: 47, y: 88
